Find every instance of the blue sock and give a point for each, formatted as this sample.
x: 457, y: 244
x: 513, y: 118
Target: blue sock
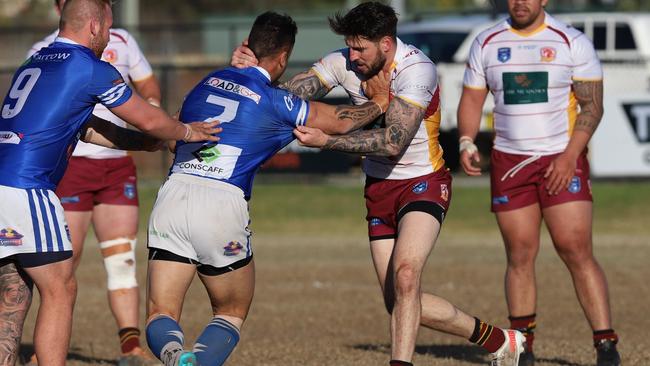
x: 164, y: 336
x: 216, y: 342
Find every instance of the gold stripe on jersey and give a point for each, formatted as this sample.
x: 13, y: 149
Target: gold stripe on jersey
x: 572, y: 111
x: 411, y: 102
x: 528, y: 34
x: 320, y: 77
x: 432, y: 124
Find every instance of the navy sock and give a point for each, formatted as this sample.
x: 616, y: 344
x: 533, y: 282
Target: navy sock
x: 216, y: 342
x: 164, y: 336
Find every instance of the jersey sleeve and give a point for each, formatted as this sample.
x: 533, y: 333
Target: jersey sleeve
x: 139, y: 67
x: 108, y: 86
x: 474, y: 71
x: 416, y: 83
x: 586, y: 62
x: 331, y: 68
x: 290, y: 109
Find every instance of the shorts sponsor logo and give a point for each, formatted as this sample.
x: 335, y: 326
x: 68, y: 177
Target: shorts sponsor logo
x: 9, y: 137
x: 71, y: 199
x: 575, y: 186
x: 129, y: 190
x: 154, y: 232
x: 503, y: 54
x: 232, y: 249
x: 500, y: 200
x: 67, y: 232
x: 376, y: 221
x: 444, y: 192
x: 235, y: 88
x: 420, y: 188
x: 547, y: 54
x: 10, y: 238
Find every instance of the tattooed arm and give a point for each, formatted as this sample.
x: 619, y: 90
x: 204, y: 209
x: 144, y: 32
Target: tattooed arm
x: 402, y: 122
x: 306, y: 85
x: 590, y: 97
x: 15, y: 298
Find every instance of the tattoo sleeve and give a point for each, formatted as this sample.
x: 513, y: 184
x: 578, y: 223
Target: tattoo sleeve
x: 15, y: 299
x: 360, y: 115
x: 590, y: 97
x: 306, y: 85
x: 402, y: 122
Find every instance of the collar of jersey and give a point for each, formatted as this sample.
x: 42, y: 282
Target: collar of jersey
x: 529, y: 34
x: 263, y: 72
x: 65, y: 40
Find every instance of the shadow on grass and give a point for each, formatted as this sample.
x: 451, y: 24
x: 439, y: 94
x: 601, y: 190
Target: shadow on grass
x: 27, y: 350
x: 466, y: 353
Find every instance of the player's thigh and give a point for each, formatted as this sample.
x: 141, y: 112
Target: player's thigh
x: 115, y: 221
x: 520, y: 229
x: 416, y: 236
x: 382, y: 253
x: 167, y: 284
x: 231, y: 293
x: 55, y: 278
x: 78, y: 223
x: 570, y: 225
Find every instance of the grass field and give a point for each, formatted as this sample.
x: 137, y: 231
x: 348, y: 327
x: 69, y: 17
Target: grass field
x: 317, y: 300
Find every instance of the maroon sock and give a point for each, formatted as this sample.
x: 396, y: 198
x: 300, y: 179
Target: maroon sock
x: 525, y: 324
x: 487, y: 336
x: 606, y: 334
x: 129, y: 339
x: 400, y: 363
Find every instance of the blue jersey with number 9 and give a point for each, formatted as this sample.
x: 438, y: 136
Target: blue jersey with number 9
x: 257, y: 119
x: 51, y: 96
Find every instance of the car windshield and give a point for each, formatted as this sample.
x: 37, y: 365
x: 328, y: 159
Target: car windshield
x: 439, y: 46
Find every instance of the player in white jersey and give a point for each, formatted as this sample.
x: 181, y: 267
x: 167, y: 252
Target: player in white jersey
x: 100, y: 187
x: 547, y: 85
x: 408, y: 188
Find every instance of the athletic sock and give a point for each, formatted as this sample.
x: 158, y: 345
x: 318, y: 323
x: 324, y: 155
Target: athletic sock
x: 165, y: 337
x: 606, y: 334
x: 129, y: 339
x: 216, y: 342
x: 399, y: 363
x: 487, y: 336
x: 526, y: 325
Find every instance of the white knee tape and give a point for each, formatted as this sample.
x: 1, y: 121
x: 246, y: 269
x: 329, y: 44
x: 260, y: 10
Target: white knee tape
x: 120, y: 267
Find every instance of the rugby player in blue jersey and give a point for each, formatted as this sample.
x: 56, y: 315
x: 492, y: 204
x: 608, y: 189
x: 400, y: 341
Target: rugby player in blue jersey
x: 46, y: 111
x: 200, y: 220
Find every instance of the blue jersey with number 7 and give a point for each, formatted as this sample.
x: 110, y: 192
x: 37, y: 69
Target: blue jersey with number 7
x: 51, y: 96
x: 257, y: 119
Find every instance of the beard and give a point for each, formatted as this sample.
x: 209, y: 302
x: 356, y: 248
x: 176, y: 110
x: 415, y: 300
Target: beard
x: 374, y: 68
x: 97, y: 45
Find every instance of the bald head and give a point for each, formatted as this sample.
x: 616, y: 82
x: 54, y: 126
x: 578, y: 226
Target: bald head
x: 77, y: 13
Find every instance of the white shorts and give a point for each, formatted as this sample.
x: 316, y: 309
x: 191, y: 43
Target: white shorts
x: 201, y: 219
x: 31, y: 221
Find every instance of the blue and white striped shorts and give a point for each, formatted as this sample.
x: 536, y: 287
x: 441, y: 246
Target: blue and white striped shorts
x: 31, y: 221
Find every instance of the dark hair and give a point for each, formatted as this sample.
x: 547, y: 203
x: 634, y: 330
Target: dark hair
x: 371, y: 20
x: 271, y: 34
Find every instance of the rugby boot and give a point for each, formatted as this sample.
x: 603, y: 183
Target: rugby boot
x: 527, y: 359
x: 606, y: 353
x: 137, y: 357
x: 508, y: 353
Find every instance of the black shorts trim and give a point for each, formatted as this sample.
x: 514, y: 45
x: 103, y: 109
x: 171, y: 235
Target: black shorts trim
x: 430, y: 207
x: 157, y: 254
x: 382, y: 237
x: 31, y: 260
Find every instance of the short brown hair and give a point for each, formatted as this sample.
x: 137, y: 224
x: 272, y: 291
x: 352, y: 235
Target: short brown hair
x: 76, y: 13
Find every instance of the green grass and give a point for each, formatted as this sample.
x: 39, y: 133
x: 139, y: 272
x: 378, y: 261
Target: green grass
x: 312, y: 208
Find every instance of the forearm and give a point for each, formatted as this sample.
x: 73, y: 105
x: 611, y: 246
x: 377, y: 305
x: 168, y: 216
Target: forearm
x: 380, y: 142
x: 590, y: 97
x: 342, y: 119
x: 149, y: 89
x: 104, y: 133
x: 470, y: 111
x: 306, y: 85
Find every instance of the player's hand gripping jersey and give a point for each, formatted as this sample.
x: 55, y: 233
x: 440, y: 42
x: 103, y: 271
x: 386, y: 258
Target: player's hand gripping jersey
x: 413, y: 79
x: 257, y: 119
x: 530, y: 76
x: 51, y: 96
x: 125, y: 55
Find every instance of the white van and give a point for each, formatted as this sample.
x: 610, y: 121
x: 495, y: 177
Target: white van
x: 621, y: 145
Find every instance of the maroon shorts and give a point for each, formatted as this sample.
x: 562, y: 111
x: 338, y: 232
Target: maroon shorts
x: 388, y: 200
x: 513, y: 189
x: 88, y: 182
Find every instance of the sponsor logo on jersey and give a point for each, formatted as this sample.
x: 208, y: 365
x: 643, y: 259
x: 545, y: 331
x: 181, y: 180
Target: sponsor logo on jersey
x: 420, y: 188
x: 503, y: 54
x: 129, y: 190
x: 70, y: 199
x: 575, y: 186
x: 525, y: 87
x: 201, y: 167
x: 232, y: 87
x: 548, y: 54
x: 207, y: 154
x: 10, y: 238
x: 232, y: 249
x: 500, y: 200
x: 51, y: 57
x: 9, y: 137
x: 288, y: 101
x: 444, y: 192
x: 376, y: 221
x: 110, y: 55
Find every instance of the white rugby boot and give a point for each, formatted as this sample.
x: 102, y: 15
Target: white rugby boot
x: 508, y: 353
